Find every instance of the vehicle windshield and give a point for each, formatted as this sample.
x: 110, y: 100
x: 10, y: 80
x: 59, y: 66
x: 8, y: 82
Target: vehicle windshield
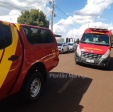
x: 60, y: 44
x: 99, y: 39
x: 71, y: 44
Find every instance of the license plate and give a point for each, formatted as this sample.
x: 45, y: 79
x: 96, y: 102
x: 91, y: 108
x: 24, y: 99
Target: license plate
x: 89, y: 60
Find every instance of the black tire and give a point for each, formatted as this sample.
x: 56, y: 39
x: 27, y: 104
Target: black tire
x: 76, y: 62
x: 106, y: 67
x: 75, y: 59
x: 32, y: 87
x: 68, y: 51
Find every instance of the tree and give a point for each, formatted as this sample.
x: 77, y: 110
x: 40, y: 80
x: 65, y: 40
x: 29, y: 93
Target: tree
x: 33, y: 17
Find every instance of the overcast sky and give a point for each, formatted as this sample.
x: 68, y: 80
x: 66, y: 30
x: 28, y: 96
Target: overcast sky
x: 71, y: 16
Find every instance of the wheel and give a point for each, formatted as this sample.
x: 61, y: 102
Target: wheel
x: 75, y: 60
x: 32, y: 87
x: 68, y: 50
x: 106, y: 67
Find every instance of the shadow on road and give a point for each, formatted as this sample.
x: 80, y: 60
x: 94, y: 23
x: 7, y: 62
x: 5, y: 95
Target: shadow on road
x: 62, y: 93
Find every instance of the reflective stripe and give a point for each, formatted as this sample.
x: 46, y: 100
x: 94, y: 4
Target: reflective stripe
x: 5, y: 63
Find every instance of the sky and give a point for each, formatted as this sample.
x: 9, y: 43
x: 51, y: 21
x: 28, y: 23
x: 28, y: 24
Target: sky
x: 71, y: 17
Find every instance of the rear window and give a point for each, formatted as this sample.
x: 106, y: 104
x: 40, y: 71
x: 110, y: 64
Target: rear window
x: 5, y: 36
x: 70, y: 44
x: 38, y: 35
x: 60, y: 44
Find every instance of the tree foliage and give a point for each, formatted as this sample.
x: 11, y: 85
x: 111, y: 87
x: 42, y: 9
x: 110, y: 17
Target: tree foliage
x: 33, y: 17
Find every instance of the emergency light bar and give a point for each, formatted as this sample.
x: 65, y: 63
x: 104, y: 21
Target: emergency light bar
x: 99, y: 29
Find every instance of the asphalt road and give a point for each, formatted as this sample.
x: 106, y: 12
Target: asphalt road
x: 71, y: 88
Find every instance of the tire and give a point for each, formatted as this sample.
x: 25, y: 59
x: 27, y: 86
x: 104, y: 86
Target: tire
x: 75, y: 60
x: 32, y: 87
x: 106, y: 67
x: 68, y: 50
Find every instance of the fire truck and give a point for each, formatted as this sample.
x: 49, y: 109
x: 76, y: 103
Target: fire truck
x: 94, y: 47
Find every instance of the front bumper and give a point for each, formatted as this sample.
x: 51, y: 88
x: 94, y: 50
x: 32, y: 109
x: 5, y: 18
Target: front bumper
x: 60, y: 50
x: 97, y: 62
x: 71, y: 49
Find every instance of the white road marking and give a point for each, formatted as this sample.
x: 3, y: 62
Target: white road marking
x: 65, y: 85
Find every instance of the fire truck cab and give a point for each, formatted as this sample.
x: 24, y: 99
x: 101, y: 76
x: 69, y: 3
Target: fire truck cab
x: 94, y: 47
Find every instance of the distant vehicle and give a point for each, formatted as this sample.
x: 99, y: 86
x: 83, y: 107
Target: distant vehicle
x: 59, y: 39
x: 94, y: 47
x: 63, y: 47
x: 72, y: 46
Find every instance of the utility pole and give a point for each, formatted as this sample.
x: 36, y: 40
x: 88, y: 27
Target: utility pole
x: 52, y: 16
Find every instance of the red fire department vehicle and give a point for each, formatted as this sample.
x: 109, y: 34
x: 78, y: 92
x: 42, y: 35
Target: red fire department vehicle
x: 27, y: 54
x: 94, y: 47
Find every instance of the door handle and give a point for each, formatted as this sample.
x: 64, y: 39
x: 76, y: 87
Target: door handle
x: 13, y: 57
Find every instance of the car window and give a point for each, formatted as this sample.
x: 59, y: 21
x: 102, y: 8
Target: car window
x: 59, y: 44
x: 38, y: 35
x: 5, y: 36
x: 70, y: 44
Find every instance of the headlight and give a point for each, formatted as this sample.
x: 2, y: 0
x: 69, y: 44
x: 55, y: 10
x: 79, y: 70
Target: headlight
x: 106, y: 54
x: 78, y: 51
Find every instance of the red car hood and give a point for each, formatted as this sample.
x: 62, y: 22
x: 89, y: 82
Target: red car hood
x: 92, y: 48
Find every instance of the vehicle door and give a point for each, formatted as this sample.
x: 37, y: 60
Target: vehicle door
x: 50, y: 48
x: 42, y: 45
x: 10, y: 57
x: 63, y: 47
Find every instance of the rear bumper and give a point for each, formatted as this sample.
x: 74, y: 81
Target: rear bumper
x: 97, y: 62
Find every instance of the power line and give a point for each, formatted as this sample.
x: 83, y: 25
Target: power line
x: 52, y: 3
x: 61, y: 18
x: 59, y: 2
x: 65, y: 13
x: 61, y: 10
